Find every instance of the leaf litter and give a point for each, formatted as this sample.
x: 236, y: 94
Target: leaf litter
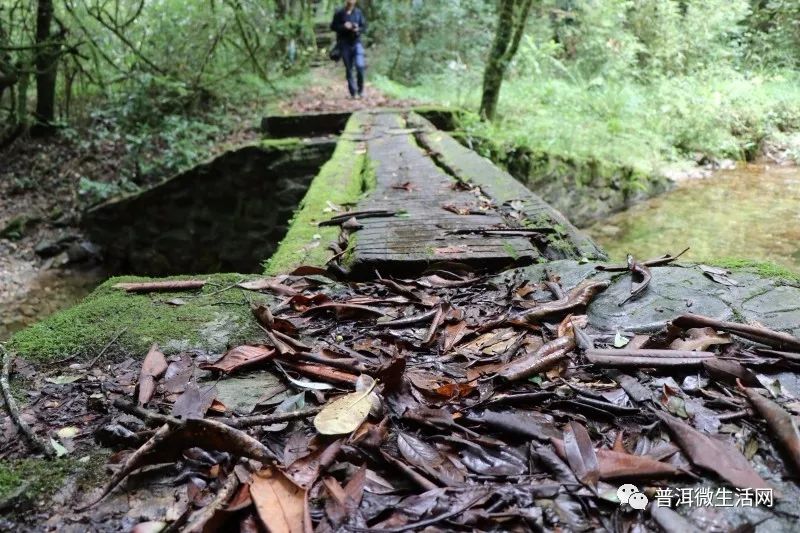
x: 451, y: 402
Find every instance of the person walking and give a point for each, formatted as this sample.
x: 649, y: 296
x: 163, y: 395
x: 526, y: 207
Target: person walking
x: 349, y: 24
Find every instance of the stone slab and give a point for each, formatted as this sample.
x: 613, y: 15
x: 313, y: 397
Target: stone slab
x: 674, y: 290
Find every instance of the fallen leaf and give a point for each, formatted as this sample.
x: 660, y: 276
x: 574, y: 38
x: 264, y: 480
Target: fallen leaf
x: 153, y: 366
x: 700, y: 339
x: 620, y: 341
x: 425, y: 456
x: 68, y: 432
x: 622, y: 465
x: 580, y: 454
x: 63, y: 380
x: 780, y: 423
x: 60, y: 450
x: 729, y: 371
x: 345, y: 413
x: 270, y: 284
x: 194, y: 402
x: 281, y: 504
x: 719, y: 275
x: 239, y: 357
x: 713, y: 455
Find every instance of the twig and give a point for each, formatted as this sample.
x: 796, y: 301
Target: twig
x: 417, y: 478
x: 157, y: 419
x: 344, y: 217
x: 107, y: 346
x: 659, y: 261
x: 162, y: 286
x: 11, y: 406
x: 150, y: 417
x: 203, y: 516
x: 229, y: 287
x: 264, y: 420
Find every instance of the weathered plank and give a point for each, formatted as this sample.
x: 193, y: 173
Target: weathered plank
x: 467, y: 165
x: 422, y: 231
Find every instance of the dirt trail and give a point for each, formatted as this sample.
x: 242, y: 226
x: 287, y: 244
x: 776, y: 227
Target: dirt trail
x: 328, y: 92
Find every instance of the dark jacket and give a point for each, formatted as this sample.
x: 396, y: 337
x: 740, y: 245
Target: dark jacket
x: 343, y: 35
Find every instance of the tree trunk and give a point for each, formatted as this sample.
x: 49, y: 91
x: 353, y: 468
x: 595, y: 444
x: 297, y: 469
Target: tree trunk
x: 511, y: 21
x: 46, y: 63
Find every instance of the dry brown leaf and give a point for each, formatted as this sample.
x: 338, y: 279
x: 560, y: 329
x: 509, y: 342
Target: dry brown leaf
x: 700, y: 339
x: 153, y: 366
x: 281, y: 504
x: 239, y: 357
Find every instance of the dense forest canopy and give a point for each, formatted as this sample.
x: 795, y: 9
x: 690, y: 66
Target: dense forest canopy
x: 627, y: 66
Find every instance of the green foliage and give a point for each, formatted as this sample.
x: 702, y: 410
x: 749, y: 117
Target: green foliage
x: 424, y: 37
x: 94, y: 192
x: 627, y: 85
x: 150, y: 59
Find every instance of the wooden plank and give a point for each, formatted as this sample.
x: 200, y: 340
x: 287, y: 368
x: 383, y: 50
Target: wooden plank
x: 426, y: 232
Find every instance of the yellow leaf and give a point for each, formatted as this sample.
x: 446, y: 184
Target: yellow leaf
x: 345, y: 413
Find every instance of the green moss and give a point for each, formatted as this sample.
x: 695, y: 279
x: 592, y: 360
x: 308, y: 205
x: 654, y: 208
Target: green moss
x: 282, y: 144
x: 205, y: 320
x: 762, y: 268
x: 33, y: 477
x: 341, y: 181
x: 510, y: 250
x: 348, y: 257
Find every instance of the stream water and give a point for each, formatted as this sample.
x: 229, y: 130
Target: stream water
x: 750, y: 212
x: 31, y: 294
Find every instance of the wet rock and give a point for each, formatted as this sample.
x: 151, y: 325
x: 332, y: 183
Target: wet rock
x: 51, y: 247
x: 117, y: 436
x: 83, y: 251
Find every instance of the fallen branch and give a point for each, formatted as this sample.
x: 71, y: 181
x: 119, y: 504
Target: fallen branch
x: 647, y: 358
x: 152, y: 418
x: 162, y: 286
x: 774, y: 339
x: 13, y: 411
x: 203, y: 516
x: 136, y: 460
x: 170, y: 440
